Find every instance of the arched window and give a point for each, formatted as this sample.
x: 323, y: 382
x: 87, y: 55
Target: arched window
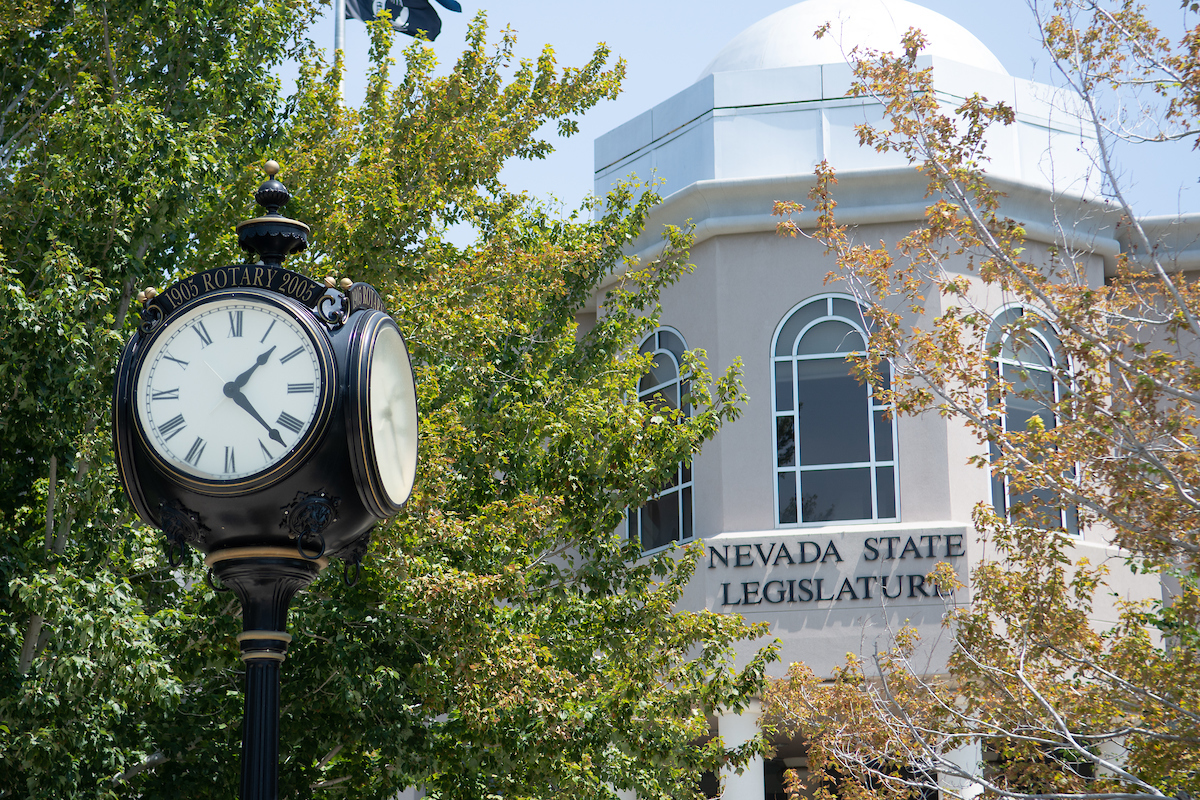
x: 667, y: 517
x: 1027, y: 360
x: 835, y: 444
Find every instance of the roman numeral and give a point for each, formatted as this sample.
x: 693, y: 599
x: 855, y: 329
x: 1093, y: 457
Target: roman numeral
x: 165, y: 394
x: 300, y: 388
x: 193, y: 455
x: 178, y: 361
x: 235, y: 324
x: 202, y: 332
x: 230, y: 464
x: 171, y: 427
x: 291, y: 355
x: 286, y: 420
x: 268, y: 333
x: 266, y: 453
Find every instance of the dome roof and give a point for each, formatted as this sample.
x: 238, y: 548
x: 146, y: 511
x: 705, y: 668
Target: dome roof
x: 785, y: 39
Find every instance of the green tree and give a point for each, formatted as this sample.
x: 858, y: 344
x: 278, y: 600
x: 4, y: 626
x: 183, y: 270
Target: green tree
x: 502, y: 640
x: 117, y: 119
x: 1070, y: 708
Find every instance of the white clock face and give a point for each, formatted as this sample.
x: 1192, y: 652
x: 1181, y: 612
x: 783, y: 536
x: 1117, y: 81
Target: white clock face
x: 393, y: 414
x: 229, y: 389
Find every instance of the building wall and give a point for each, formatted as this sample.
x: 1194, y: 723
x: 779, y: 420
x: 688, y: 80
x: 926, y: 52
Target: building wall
x: 744, y: 284
x: 725, y: 150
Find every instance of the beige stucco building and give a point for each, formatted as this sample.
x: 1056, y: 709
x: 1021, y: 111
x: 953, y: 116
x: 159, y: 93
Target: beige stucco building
x: 820, y: 515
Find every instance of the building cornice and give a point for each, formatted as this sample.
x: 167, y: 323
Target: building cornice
x: 732, y: 206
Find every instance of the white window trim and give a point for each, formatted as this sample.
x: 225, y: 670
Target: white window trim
x: 679, y: 487
x: 872, y: 407
x: 1056, y: 364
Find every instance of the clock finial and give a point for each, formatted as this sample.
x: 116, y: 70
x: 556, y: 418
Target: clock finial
x: 272, y: 236
x: 272, y: 194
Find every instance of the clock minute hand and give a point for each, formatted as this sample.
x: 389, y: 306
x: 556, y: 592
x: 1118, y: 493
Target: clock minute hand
x: 242, y: 379
x: 236, y: 395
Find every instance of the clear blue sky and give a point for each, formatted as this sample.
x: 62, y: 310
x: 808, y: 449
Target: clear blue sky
x: 667, y: 43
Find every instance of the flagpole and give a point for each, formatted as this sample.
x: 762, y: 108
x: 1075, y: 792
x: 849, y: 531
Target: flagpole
x: 339, y: 41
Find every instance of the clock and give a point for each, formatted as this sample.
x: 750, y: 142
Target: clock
x: 382, y: 414
x: 265, y: 419
x: 233, y: 389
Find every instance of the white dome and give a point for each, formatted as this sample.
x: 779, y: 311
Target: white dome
x: 785, y: 39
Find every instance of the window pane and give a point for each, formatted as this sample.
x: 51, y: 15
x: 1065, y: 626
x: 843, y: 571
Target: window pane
x: 885, y: 491
x: 885, y: 378
x: 783, y: 386
x: 833, y: 413
x: 835, y: 494
x: 1032, y: 377
x: 785, y: 441
x: 787, y: 497
x: 883, y: 437
x: 664, y: 398
x: 786, y: 342
x: 1039, y: 508
x: 671, y: 342
x: 661, y: 371
x: 660, y: 521
x: 999, y: 503
x: 670, y: 395
x: 687, y: 513
x: 850, y: 310
x: 1027, y: 349
x: 831, y: 336
x: 1021, y: 410
x: 996, y: 332
x: 1039, y: 386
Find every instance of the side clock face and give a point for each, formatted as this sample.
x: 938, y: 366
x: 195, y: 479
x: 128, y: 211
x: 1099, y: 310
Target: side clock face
x: 383, y: 415
x: 391, y: 398
x: 230, y: 388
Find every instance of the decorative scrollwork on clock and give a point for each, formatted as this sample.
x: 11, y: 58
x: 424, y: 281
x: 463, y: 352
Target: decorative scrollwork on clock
x: 152, y: 317
x: 182, y: 527
x: 352, y: 556
x: 307, y: 516
x: 333, y: 308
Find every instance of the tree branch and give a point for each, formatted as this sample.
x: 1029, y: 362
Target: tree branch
x: 151, y: 762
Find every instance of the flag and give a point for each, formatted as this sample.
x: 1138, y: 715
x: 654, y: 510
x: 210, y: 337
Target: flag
x: 408, y: 16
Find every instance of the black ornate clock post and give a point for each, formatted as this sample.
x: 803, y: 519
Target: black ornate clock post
x: 269, y: 421
x: 265, y: 583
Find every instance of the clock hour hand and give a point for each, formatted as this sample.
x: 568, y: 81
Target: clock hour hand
x: 236, y: 395
x: 241, y: 380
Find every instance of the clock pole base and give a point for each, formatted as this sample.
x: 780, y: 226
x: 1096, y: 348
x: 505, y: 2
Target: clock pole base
x: 265, y: 579
x: 260, y: 731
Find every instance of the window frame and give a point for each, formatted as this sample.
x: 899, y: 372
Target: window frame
x: 684, y: 485
x: 860, y: 325
x: 1046, y: 334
